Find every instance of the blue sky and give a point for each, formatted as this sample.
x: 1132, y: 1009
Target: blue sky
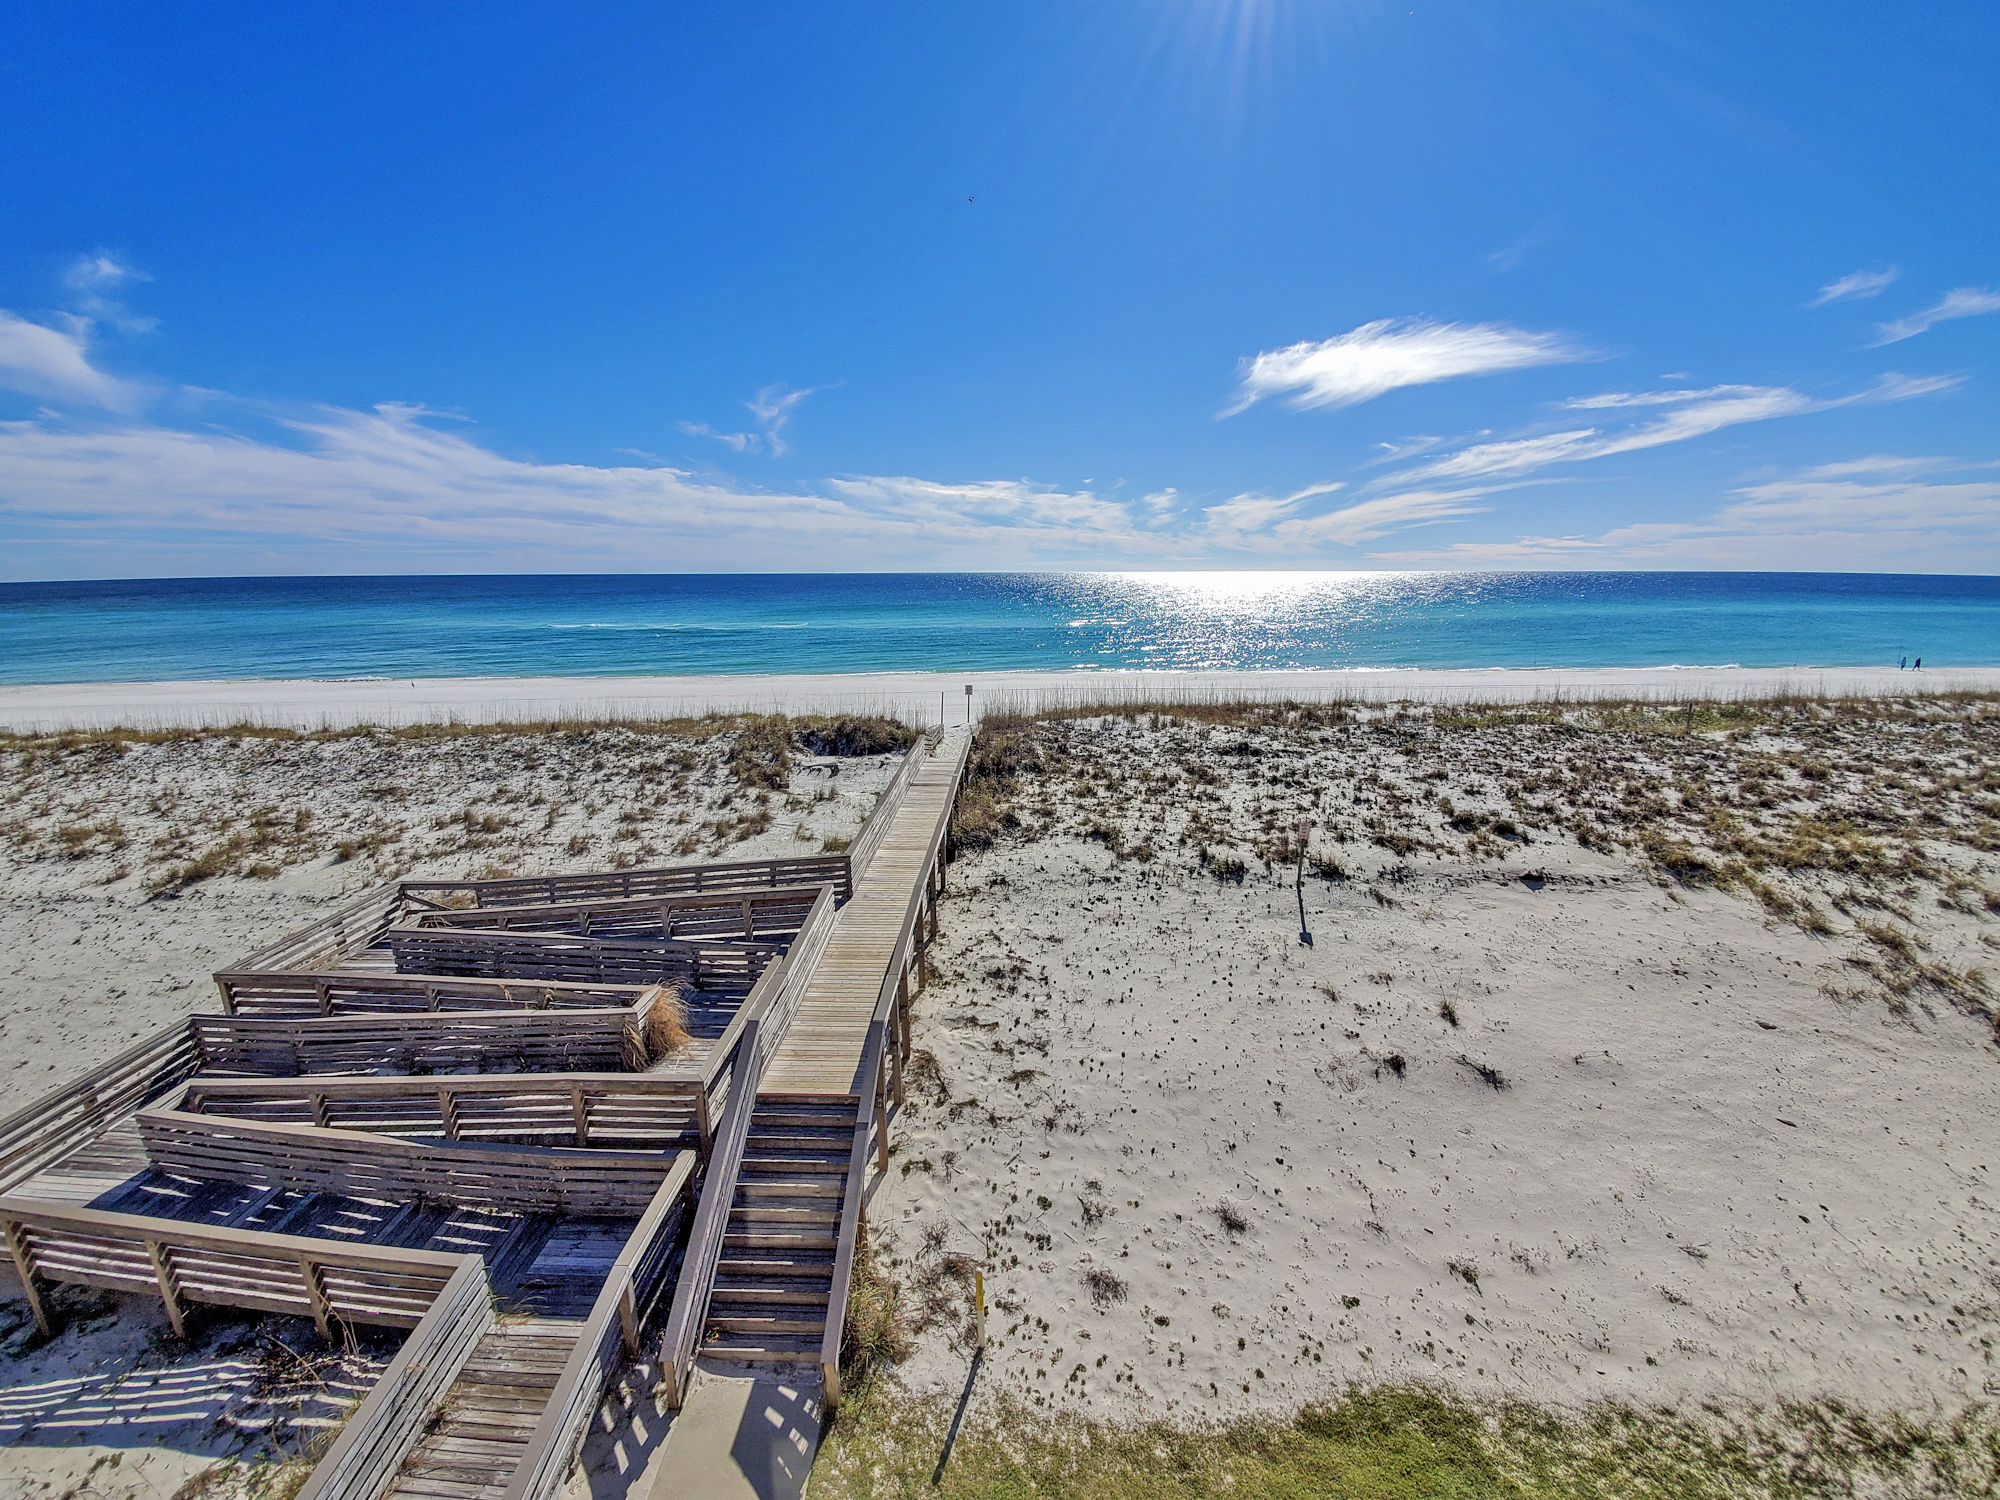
x: 1184, y: 283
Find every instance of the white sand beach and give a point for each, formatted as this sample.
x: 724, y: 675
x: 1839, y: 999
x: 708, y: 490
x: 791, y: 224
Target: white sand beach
x: 919, y: 697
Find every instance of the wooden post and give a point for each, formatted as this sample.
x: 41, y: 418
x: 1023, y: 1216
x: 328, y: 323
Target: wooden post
x: 749, y: 923
x: 581, y: 1111
x: 228, y: 995
x: 24, y: 1267
x: 896, y: 1062
x: 881, y: 1118
x: 318, y: 1097
x: 628, y: 1317
x: 169, y: 1293
x: 325, y: 991
x: 316, y: 1295
x: 706, y: 1124
x: 448, y: 1113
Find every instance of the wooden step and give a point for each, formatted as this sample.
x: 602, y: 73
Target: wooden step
x: 764, y: 1323
x: 771, y: 1349
x: 821, y: 1143
x: 768, y: 1166
x: 766, y: 1188
x: 777, y: 1243
x: 802, y: 1265
x: 803, y: 1218
x: 775, y: 1290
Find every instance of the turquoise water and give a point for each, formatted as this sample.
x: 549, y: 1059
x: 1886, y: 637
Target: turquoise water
x: 626, y: 625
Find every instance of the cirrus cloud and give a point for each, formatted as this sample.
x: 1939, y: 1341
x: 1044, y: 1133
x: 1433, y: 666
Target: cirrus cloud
x: 1962, y: 302
x: 1382, y: 356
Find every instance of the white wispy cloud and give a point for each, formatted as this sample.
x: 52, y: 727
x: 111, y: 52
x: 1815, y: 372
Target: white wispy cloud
x: 1382, y: 356
x: 773, y: 408
x: 1854, y: 286
x: 54, y: 364
x: 736, y: 442
x: 1961, y: 302
x: 95, y: 278
x: 335, y: 485
x: 1863, y: 514
x: 1369, y: 519
x: 1241, y: 516
x: 1683, y: 415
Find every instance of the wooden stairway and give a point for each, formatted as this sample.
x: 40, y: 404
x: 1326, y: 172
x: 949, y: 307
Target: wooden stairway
x: 769, y: 1299
x: 481, y: 1431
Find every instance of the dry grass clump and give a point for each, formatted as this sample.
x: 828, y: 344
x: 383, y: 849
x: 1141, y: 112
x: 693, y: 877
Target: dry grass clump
x: 1104, y: 1288
x: 666, y: 1023
x: 875, y: 1331
x: 854, y: 735
x: 761, y: 758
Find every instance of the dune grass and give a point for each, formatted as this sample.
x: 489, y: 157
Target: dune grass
x: 1409, y: 1443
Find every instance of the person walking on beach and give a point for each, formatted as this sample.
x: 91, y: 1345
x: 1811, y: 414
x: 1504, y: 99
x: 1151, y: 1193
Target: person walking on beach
x: 1920, y: 664
x: 1902, y: 662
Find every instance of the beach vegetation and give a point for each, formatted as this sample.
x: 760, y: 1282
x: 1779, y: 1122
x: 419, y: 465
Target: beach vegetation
x: 1407, y: 1443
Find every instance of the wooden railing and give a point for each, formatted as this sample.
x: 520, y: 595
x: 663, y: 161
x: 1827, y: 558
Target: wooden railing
x: 614, y: 885
x: 386, y: 1168
x: 444, y: 1300
x: 322, y: 943
x: 560, y: 956
x: 754, y: 1036
x: 56, y: 1124
x: 610, y: 1332
x: 332, y: 992
x: 766, y: 915
x: 621, y: 1111
x: 487, y: 1040
x: 887, y: 1041
x: 371, y: 1447
x: 182, y: 1263
x: 861, y: 851
x: 871, y: 1124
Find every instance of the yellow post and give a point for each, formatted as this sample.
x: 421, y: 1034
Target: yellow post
x: 979, y: 1309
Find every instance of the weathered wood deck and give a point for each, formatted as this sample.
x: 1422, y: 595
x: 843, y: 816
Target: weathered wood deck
x: 537, y: 1262
x: 821, y: 1052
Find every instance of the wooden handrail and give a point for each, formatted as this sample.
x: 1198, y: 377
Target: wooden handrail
x: 848, y: 1237
x: 627, y: 1111
x: 307, y: 1045
x: 875, y: 827
x: 812, y: 869
x: 38, y: 1136
x: 332, y: 932
x: 325, y: 990
x: 690, y: 1307
x: 360, y: 1164
x: 183, y: 1262
x: 373, y: 1443
x: 614, y: 1320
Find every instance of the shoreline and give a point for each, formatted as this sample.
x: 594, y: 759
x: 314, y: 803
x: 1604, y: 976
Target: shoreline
x: 341, y: 703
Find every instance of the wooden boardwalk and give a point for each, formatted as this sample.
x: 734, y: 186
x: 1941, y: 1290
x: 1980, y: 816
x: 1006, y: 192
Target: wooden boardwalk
x: 484, y: 1429
x: 821, y: 1052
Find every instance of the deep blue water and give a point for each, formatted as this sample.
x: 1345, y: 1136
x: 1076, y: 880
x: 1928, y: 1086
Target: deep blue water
x: 624, y: 625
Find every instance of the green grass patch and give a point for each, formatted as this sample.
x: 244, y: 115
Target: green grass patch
x: 1408, y: 1443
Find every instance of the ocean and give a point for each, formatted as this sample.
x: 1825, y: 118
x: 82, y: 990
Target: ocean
x: 622, y: 625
